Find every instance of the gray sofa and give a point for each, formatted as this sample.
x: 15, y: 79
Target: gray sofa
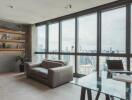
x: 52, y: 73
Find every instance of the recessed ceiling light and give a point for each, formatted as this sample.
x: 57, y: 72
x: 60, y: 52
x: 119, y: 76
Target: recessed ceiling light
x: 11, y: 6
x: 69, y: 6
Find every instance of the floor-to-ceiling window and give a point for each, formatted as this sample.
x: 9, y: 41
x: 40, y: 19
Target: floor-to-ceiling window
x: 53, y: 37
x: 113, y: 35
x: 52, y: 57
x: 87, y: 41
x: 114, y: 31
x: 87, y: 33
x: 41, y: 33
x: 70, y: 60
x: 68, y: 35
x: 53, y: 40
x: 86, y: 64
x: 68, y: 41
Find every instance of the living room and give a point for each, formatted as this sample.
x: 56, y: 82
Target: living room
x: 66, y: 49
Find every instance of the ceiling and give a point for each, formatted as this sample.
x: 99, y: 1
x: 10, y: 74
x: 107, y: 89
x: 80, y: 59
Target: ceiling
x: 34, y: 11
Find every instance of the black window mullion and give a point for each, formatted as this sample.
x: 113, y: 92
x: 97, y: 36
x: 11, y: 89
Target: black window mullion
x: 98, y: 39
x: 76, y: 45
x: 60, y: 39
x: 128, y: 43
x: 47, y: 40
x: 128, y: 34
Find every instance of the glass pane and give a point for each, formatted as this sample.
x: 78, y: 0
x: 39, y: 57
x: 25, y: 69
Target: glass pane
x: 53, y: 37
x: 87, y: 33
x: 114, y: 30
x: 52, y: 57
x: 68, y: 35
x: 103, y: 65
x: 131, y: 64
x: 41, y: 32
x: 70, y: 60
x: 86, y: 64
x: 40, y: 57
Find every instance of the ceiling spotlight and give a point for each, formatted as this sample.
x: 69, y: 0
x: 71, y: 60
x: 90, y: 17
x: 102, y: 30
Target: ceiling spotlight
x: 68, y: 6
x: 10, y: 6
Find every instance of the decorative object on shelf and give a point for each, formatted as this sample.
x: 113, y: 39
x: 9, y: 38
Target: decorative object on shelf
x: 8, y: 46
x: 7, y: 36
x: 3, y: 45
x: 4, y: 36
x: 0, y: 36
x: 17, y: 46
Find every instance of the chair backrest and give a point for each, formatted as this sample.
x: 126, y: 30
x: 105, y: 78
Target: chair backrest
x: 115, y: 64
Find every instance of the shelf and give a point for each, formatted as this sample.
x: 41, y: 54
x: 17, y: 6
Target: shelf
x: 12, y: 32
x: 11, y: 49
x: 13, y: 41
x: 16, y: 40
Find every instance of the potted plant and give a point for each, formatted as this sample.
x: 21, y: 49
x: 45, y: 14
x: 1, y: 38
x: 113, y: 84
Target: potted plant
x: 22, y: 58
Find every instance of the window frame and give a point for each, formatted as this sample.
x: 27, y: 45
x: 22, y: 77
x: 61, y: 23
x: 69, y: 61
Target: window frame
x: 99, y: 11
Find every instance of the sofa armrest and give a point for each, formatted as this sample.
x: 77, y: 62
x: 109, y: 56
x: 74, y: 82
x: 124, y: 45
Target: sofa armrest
x: 29, y: 65
x: 60, y: 75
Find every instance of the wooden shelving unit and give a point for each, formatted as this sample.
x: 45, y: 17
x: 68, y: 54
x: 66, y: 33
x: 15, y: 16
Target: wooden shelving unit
x: 11, y: 49
x: 12, y: 31
x: 12, y: 41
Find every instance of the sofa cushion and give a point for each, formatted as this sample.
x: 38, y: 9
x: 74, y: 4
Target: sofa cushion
x: 40, y: 72
x: 59, y: 61
x: 51, y: 64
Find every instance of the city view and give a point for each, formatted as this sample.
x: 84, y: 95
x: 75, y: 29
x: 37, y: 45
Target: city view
x: 86, y: 64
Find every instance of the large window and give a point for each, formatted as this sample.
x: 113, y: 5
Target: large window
x: 86, y: 64
x: 41, y: 33
x: 87, y: 27
x: 114, y: 31
x: 110, y: 39
x: 70, y: 60
x: 53, y: 37
x: 68, y: 35
x: 52, y: 57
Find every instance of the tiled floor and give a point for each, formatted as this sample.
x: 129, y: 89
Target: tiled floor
x: 18, y: 87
